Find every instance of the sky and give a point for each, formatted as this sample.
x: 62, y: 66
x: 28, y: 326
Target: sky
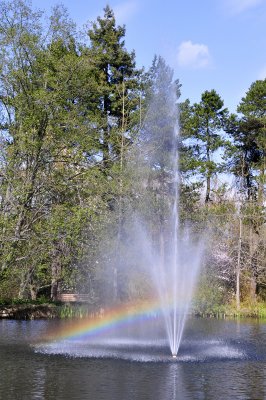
x: 210, y: 44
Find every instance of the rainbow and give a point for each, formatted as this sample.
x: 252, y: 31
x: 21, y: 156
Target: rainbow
x: 121, y: 315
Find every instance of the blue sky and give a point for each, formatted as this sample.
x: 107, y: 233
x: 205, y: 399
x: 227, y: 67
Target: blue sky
x: 210, y: 44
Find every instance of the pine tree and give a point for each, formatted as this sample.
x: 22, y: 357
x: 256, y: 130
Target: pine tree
x: 252, y: 133
x: 118, y: 93
x: 202, y: 125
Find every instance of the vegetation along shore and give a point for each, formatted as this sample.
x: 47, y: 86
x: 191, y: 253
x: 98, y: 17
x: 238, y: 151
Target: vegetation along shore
x: 84, y: 157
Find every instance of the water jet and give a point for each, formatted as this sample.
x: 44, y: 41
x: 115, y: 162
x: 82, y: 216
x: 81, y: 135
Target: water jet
x: 174, y: 264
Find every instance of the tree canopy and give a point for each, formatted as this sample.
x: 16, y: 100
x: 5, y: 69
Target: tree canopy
x: 88, y: 141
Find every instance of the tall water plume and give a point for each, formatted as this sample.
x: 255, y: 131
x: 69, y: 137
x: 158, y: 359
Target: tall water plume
x: 173, y: 257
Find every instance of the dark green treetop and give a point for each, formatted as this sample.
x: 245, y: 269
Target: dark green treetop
x: 201, y: 125
x: 116, y: 75
x: 248, y: 131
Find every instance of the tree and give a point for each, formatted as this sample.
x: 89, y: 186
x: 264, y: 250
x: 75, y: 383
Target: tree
x: 249, y: 141
x: 201, y: 125
x: 246, y: 159
x: 116, y: 76
x: 50, y: 145
x: 116, y: 103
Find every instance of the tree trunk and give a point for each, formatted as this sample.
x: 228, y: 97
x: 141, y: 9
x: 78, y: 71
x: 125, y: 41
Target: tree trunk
x: 25, y: 283
x: 238, y: 267
x: 33, y: 292
x: 56, y: 273
x: 118, y: 259
x: 106, y: 129
x: 208, y: 177
x: 261, y: 187
x: 253, y: 264
x: 208, y: 189
x: 253, y: 289
x: 106, y: 137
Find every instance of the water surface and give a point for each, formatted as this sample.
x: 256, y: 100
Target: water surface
x: 217, y: 360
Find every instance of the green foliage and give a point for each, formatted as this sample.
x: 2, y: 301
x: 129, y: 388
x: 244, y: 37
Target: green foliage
x: 211, y: 296
x: 247, y: 152
x: 74, y: 311
x: 16, y: 302
x: 86, y: 143
x: 51, y: 168
x: 118, y: 87
x: 201, y: 126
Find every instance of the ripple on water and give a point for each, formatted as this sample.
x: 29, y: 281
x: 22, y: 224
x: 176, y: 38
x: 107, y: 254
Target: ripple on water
x: 124, y: 349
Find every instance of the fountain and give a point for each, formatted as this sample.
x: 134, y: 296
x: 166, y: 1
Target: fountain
x: 175, y: 263
x: 170, y: 258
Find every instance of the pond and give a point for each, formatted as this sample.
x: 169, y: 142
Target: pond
x: 218, y: 359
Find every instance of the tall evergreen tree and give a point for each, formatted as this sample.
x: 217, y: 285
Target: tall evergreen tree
x: 116, y: 75
x: 202, y: 125
x: 248, y: 149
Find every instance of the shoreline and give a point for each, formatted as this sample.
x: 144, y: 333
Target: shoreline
x: 28, y: 311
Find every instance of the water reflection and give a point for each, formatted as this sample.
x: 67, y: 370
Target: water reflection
x: 38, y: 384
x: 25, y: 374
x: 235, y: 381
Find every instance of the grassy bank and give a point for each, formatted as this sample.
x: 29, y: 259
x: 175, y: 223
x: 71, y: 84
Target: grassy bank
x: 246, y: 310
x: 38, y: 309
x: 19, y: 309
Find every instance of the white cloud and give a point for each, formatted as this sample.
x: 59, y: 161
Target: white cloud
x: 193, y: 55
x: 262, y: 73
x: 238, y: 6
x: 124, y: 11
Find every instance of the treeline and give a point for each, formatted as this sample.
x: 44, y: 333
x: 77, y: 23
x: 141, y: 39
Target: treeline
x: 85, y: 145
